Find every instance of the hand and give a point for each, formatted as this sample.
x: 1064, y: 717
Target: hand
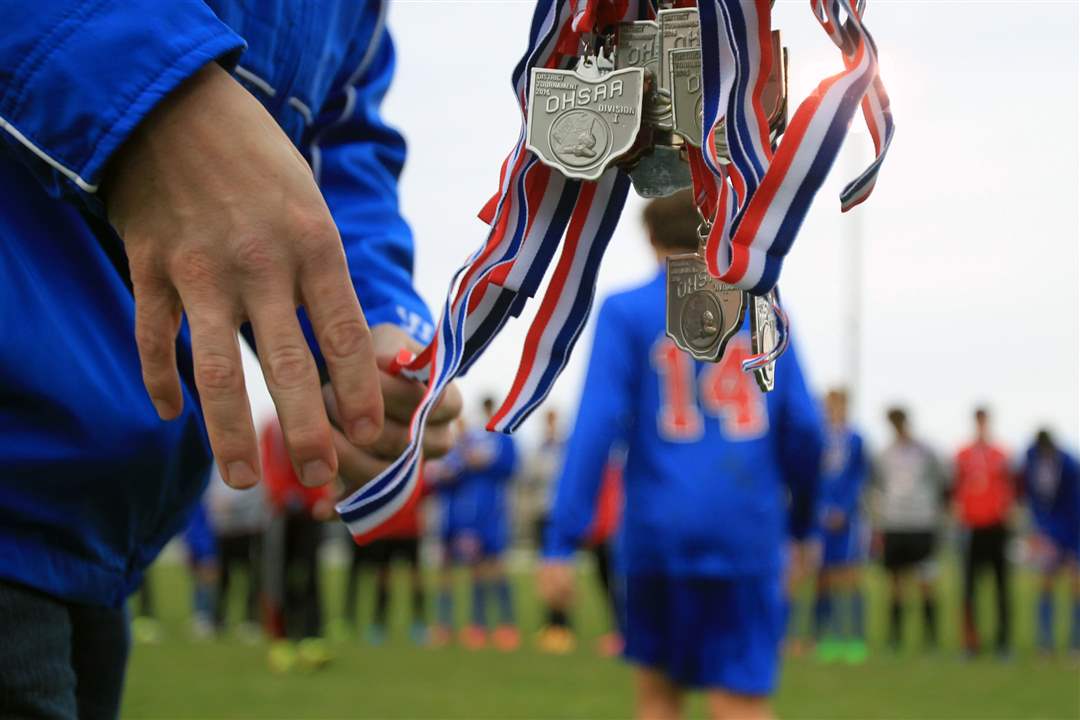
x: 362, y: 462
x: 555, y: 583
x: 221, y: 219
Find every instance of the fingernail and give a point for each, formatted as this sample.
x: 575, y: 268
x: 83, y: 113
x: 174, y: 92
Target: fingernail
x: 164, y: 408
x: 315, y: 473
x: 362, y: 431
x: 240, y: 475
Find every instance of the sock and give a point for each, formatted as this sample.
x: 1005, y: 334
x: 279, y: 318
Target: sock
x: 858, y: 615
x: 505, y: 600
x: 418, y: 606
x: 895, y: 621
x: 1074, y: 640
x: 479, y: 603
x: 204, y: 601
x: 1046, y: 621
x: 382, y: 601
x: 930, y: 619
x: 823, y: 611
x: 445, y: 608
x: 557, y: 618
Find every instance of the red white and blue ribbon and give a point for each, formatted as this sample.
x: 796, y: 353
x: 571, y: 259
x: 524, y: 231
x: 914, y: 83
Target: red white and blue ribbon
x: 762, y: 197
x: 533, y: 210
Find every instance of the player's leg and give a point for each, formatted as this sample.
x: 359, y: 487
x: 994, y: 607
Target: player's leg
x: 99, y: 653
x: 1074, y: 636
x: 611, y: 642
x: 926, y: 567
x: 1003, y: 588
x: 822, y: 607
x: 410, y: 548
x: 352, y: 582
x: 474, y: 636
x: 1047, y: 580
x: 383, y: 557
x: 253, y: 566
x: 443, y: 632
x: 973, y: 552
x: 729, y: 706
x: 895, y: 567
x: 655, y: 696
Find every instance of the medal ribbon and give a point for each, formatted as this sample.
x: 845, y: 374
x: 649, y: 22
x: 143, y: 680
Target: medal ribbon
x: 772, y: 192
x: 529, y: 215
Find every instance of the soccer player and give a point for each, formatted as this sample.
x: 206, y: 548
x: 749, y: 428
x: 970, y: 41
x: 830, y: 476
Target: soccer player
x: 239, y: 519
x: 219, y: 161
x: 983, y: 493
x: 839, y: 607
x: 1050, y: 482
x: 710, y: 462
x: 203, y: 566
x: 910, y: 495
x: 473, y: 489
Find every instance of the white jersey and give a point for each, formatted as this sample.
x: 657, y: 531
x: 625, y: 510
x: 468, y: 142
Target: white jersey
x: 909, y: 486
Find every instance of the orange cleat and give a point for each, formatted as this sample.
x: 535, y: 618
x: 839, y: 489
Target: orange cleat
x: 473, y: 637
x: 507, y: 638
x: 440, y: 636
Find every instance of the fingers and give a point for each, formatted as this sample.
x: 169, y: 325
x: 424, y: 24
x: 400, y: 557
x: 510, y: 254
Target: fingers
x: 157, y: 320
x: 293, y: 382
x: 346, y: 345
x: 219, y: 377
x: 356, y: 465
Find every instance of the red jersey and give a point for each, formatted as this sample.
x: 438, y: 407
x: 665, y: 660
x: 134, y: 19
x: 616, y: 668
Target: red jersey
x: 282, y: 485
x: 983, y: 489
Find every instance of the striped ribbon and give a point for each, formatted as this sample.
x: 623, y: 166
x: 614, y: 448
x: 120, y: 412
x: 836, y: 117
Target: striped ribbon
x: 534, y: 209
x: 762, y: 197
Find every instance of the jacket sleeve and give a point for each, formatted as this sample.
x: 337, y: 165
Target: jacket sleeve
x: 857, y: 475
x: 77, y: 76
x: 800, y: 444
x: 602, y: 418
x: 357, y: 159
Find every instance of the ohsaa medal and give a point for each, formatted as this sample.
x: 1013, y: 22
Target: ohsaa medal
x: 764, y: 336
x: 702, y: 313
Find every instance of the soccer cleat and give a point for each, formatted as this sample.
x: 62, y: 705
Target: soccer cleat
x: 376, y: 635
x: 440, y: 636
x: 146, y: 630
x: 829, y: 651
x: 313, y: 653
x: 507, y: 638
x: 473, y: 637
x: 418, y: 633
x: 855, y: 652
x: 555, y: 640
x: 609, y: 645
x: 282, y: 656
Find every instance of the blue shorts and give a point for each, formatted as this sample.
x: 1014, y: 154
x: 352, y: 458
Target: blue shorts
x: 467, y: 545
x: 846, y: 547
x: 710, y: 632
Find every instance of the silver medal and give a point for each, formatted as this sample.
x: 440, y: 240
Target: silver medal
x: 702, y: 313
x: 684, y: 81
x: 637, y: 44
x: 679, y: 29
x: 661, y: 172
x: 581, y: 121
x: 763, y: 338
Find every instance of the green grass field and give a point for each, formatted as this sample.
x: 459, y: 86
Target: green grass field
x: 227, y: 678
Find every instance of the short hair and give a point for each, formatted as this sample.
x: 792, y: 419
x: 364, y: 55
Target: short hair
x: 1044, y: 439
x: 838, y: 394
x: 897, y: 416
x: 488, y: 403
x: 982, y: 414
x: 673, y: 221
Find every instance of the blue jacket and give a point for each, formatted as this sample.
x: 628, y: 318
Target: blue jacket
x: 92, y: 483
x: 711, y: 461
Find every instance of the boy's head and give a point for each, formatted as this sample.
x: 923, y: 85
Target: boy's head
x: 898, y: 419
x: 982, y: 423
x: 836, y: 402
x: 488, y: 403
x: 672, y: 223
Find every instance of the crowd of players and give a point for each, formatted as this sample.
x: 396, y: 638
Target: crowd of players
x: 704, y: 501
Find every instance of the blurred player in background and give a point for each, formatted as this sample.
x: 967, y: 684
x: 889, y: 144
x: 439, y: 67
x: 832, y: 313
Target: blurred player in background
x: 1050, y: 482
x: 983, y: 494
x: 910, y: 495
x: 293, y: 585
x: 709, y: 466
x: 476, y: 531
x: 839, y: 606
x: 398, y: 539
x: 239, y: 519
x: 203, y: 566
x: 557, y: 636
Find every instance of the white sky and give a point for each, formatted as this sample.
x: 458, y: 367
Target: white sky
x: 969, y: 244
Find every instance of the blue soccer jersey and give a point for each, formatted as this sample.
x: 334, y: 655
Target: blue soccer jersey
x: 711, y: 459
x: 475, y: 499
x: 844, y: 469
x: 1052, y: 487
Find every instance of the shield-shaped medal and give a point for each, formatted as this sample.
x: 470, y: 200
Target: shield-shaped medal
x: 702, y: 313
